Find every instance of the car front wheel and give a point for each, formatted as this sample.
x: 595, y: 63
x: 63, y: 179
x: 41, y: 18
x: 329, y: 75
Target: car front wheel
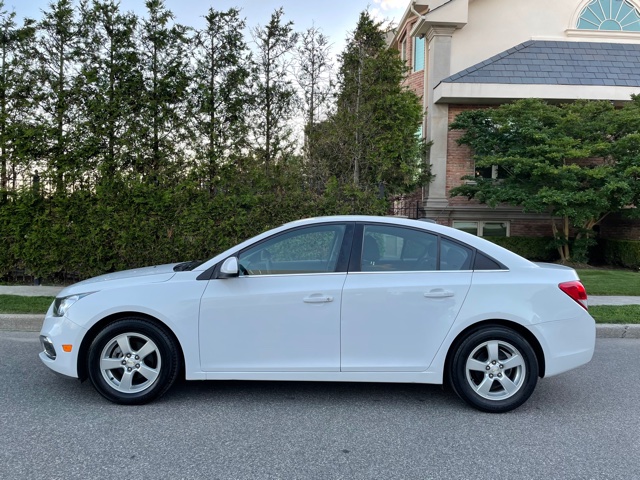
x: 133, y: 361
x: 494, y: 369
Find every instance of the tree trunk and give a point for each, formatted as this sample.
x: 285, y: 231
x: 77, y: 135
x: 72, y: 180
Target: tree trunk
x: 563, y: 249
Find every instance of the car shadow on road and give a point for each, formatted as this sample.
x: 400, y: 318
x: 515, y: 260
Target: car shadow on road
x: 318, y: 393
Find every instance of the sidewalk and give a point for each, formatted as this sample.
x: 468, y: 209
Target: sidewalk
x: 29, y: 291
x: 33, y: 323
x: 612, y: 300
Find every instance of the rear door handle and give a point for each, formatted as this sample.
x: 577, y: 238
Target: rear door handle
x: 438, y: 294
x: 318, y: 298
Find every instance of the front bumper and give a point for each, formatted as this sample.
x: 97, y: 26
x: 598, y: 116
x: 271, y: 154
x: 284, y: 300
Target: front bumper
x: 59, y: 331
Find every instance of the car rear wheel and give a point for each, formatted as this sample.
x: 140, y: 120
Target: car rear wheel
x: 133, y: 361
x: 494, y: 369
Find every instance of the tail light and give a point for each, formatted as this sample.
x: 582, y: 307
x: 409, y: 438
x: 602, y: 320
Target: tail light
x: 575, y: 290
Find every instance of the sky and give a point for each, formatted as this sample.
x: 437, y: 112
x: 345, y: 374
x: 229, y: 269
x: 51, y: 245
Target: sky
x: 336, y: 18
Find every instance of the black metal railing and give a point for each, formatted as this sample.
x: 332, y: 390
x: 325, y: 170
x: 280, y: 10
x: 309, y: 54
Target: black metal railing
x: 407, y: 209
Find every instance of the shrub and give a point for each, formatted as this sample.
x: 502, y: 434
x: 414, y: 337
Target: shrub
x: 539, y: 249
x: 625, y: 253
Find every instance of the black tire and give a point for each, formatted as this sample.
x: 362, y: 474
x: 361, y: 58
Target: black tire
x: 119, y: 374
x: 494, y: 369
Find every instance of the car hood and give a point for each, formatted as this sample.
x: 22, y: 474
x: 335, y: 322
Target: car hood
x: 136, y: 276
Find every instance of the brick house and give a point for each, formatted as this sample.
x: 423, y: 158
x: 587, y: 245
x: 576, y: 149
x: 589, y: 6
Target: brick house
x: 468, y: 54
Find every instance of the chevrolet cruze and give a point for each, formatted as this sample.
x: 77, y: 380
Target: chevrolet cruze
x: 346, y: 298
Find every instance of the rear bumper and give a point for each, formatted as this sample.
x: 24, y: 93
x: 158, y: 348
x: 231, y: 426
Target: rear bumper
x: 567, y: 344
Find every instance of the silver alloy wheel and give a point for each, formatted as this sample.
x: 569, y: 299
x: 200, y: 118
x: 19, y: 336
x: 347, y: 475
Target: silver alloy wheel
x: 495, y: 370
x: 130, y: 362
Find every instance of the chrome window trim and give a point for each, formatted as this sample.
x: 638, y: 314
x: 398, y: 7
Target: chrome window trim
x: 291, y: 274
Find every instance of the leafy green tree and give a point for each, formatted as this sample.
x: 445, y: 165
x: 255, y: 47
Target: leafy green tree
x: 562, y: 160
x: 220, y: 92
x: 274, y: 93
x: 371, y: 139
x: 624, y: 131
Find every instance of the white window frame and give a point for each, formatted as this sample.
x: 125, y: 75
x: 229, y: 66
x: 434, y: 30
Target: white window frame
x: 608, y: 16
x: 481, y: 223
x: 494, y: 171
x: 414, y: 65
x: 573, y: 31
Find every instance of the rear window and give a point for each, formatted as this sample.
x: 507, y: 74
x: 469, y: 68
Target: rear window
x: 482, y: 262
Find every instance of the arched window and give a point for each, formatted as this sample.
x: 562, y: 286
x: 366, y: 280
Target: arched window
x: 611, y: 15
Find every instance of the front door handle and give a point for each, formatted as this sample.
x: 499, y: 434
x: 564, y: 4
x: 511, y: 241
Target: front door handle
x: 438, y: 294
x: 318, y: 298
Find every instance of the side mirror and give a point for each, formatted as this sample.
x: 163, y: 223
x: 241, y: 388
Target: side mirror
x: 229, y: 268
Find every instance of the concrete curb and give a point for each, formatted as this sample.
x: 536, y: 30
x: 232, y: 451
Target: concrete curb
x: 33, y: 323
x: 616, y: 330
x: 21, y: 323
x: 30, y: 291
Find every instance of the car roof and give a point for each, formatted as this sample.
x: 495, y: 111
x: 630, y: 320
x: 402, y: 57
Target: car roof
x: 501, y: 254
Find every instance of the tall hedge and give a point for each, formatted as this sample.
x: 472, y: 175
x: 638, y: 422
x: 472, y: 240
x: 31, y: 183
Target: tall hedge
x: 540, y: 249
x: 131, y: 223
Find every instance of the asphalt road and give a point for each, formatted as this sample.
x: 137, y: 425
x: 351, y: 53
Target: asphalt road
x: 583, y: 424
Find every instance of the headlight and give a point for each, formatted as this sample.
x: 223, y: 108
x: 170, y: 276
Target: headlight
x: 63, y: 304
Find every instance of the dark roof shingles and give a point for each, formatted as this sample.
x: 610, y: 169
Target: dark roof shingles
x: 558, y: 63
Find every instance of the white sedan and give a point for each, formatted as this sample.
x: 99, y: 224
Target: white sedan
x: 345, y: 298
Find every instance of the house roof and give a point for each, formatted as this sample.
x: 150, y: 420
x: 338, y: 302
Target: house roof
x: 545, y: 62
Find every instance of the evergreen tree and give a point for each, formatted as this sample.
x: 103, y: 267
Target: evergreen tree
x: 221, y: 92
x: 166, y: 72
x: 18, y: 95
x: 371, y: 138
x: 112, y: 82
x: 275, y: 95
x: 59, y: 57
x: 313, y: 74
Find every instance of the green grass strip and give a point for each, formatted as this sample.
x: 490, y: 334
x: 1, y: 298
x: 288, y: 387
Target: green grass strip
x: 615, y: 313
x: 610, y: 282
x: 19, y: 304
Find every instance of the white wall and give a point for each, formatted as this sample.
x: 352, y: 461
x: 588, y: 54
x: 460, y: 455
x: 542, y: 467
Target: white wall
x: 497, y: 25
